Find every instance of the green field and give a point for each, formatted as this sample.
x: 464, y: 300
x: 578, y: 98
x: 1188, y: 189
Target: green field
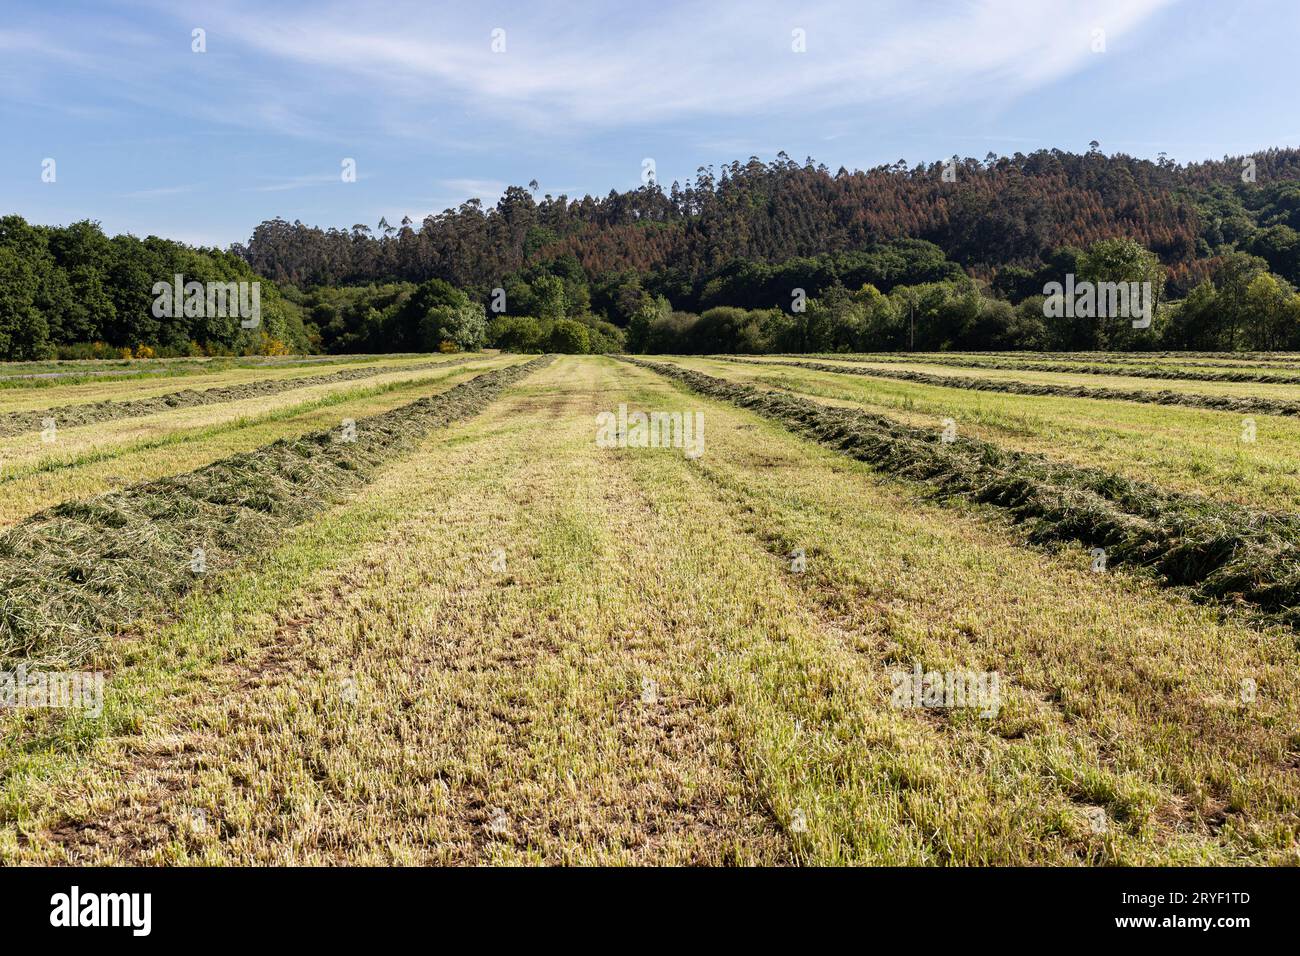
x: 477, y: 631
x: 1184, y: 449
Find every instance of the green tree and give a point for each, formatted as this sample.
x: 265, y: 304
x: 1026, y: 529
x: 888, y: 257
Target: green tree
x: 465, y: 326
x: 1120, y: 261
x: 1194, y: 323
x: 515, y: 333
x: 24, y: 333
x: 880, y: 327
x: 646, y: 313
x: 548, y: 297
x: 569, y: 337
x: 1273, y: 311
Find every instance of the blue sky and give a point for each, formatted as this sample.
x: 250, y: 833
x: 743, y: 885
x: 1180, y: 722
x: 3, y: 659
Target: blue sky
x: 150, y: 137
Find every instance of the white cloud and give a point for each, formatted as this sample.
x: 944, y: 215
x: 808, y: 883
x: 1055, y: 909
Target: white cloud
x: 18, y: 42
x: 334, y: 70
x: 659, y: 63
x: 302, y: 182
x: 484, y: 189
x: 161, y: 192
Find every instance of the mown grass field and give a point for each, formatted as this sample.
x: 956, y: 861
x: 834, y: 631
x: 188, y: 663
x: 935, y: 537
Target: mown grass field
x: 1186, y: 449
x: 480, y: 635
x: 1111, y: 374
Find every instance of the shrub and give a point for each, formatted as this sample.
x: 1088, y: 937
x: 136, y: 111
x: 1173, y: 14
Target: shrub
x: 517, y: 334
x: 570, y: 338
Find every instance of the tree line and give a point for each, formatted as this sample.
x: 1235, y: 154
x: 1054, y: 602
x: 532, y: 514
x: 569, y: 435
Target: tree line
x: 894, y: 296
x: 73, y: 292
x: 758, y: 257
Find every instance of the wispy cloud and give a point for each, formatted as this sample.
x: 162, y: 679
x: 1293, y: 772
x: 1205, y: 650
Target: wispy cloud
x: 651, y: 66
x: 161, y: 192
x: 26, y: 42
x: 480, y: 188
x: 301, y: 182
x: 584, y: 90
x: 323, y: 70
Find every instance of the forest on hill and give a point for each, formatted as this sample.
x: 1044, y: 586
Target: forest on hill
x: 985, y: 215
x: 753, y: 257
x: 955, y: 254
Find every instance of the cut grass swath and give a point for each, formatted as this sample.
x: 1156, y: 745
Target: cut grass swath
x: 25, y: 376
x: 1167, y: 354
x: 1169, y: 360
x: 1134, y: 371
x: 1166, y: 362
x: 1219, y: 551
x: 71, y: 416
x: 82, y: 569
x: 186, y: 435
x: 1224, y: 403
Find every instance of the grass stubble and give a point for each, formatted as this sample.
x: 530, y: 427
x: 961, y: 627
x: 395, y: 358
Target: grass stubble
x: 82, y: 567
x: 1218, y: 551
x: 515, y: 647
x: 94, y: 459
x: 92, y: 413
x: 1242, y: 404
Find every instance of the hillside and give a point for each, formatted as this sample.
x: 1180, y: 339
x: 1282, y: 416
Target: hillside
x: 994, y: 213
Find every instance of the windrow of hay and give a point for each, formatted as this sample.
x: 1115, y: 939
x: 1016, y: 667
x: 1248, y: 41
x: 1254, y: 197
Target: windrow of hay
x: 1135, y: 371
x: 84, y: 569
x: 1140, y: 356
x: 1223, y: 403
x: 1153, y: 359
x: 70, y: 416
x: 1219, y: 551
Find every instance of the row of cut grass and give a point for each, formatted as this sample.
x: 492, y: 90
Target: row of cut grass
x: 36, y: 376
x: 1218, y: 551
x: 975, y: 360
x: 1188, y: 450
x: 72, y: 416
x: 1123, y: 382
x: 135, y: 388
x: 126, y: 453
x: 1174, y: 359
x: 1279, y: 360
x: 82, y: 569
x: 374, y: 692
x: 1244, y: 404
